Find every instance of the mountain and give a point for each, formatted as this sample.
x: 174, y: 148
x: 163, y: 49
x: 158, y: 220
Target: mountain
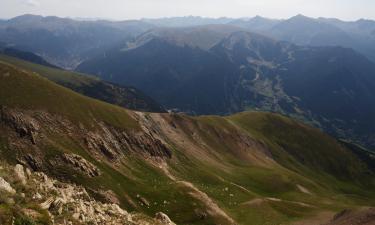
x: 174, y: 71
x: 128, y: 97
x: 361, y: 26
x: 248, y: 168
x: 27, y: 56
x: 66, y: 42
x: 203, y: 37
x: 245, y: 71
x: 361, y: 31
x: 256, y: 24
x: 187, y: 21
x: 323, y: 32
x: 302, y: 30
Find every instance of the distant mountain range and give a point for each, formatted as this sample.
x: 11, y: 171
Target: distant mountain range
x: 66, y: 42
x: 303, y: 30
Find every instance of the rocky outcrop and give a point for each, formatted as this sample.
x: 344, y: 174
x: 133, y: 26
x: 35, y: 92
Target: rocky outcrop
x: 104, y: 140
x: 362, y: 216
x: 106, y: 196
x: 65, y: 203
x: 19, y: 174
x: 81, y: 164
x: 112, y: 143
x: 33, y: 162
x: 68, y: 199
x: 163, y: 218
x: 24, y: 125
x: 74, y: 201
x: 5, y: 186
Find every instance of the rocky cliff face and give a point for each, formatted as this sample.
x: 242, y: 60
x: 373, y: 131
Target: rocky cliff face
x: 24, y: 125
x: 34, y: 128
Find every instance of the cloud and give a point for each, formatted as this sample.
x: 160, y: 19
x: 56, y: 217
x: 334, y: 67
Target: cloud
x: 32, y: 3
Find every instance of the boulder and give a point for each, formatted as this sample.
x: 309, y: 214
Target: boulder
x: 19, y: 174
x: 163, y: 218
x: 81, y: 164
x: 47, y: 204
x: 5, y: 186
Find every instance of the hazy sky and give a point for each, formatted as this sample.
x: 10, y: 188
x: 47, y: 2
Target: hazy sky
x: 134, y: 9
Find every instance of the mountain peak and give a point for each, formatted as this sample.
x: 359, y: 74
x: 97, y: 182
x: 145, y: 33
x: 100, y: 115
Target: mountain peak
x: 257, y: 17
x: 301, y: 18
x: 26, y: 17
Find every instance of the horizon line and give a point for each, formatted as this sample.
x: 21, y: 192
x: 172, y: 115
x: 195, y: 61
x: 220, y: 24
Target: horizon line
x: 185, y: 16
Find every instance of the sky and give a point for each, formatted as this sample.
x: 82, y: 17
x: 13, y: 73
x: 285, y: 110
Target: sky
x: 136, y: 9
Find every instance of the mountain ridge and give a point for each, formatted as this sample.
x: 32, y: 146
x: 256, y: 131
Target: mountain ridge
x: 249, y: 71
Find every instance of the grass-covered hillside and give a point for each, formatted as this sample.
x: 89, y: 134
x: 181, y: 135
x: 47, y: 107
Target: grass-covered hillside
x: 128, y: 97
x: 249, y: 168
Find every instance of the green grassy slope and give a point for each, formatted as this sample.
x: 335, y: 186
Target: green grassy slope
x: 308, y: 146
x: 30, y: 91
x: 256, y: 168
x: 91, y: 86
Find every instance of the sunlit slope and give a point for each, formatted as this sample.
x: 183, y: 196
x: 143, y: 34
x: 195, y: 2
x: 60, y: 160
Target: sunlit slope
x: 27, y: 90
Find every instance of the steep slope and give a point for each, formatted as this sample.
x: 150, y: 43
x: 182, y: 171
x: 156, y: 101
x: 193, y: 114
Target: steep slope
x: 361, y: 31
x: 246, y: 71
x: 27, y: 56
x: 292, y: 80
x: 256, y: 24
x: 176, y: 76
x: 303, y: 30
x: 250, y: 168
x: 203, y: 37
x: 128, y: 97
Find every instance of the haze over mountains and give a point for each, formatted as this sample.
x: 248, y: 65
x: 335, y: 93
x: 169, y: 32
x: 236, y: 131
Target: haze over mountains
x: 298, y: 29
x: 65, y: 42
x: 93, y: 35
x: 217, y: 69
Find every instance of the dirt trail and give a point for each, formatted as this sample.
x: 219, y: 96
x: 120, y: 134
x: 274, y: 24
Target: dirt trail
x: 212, y: 208
x: 319, y: 219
